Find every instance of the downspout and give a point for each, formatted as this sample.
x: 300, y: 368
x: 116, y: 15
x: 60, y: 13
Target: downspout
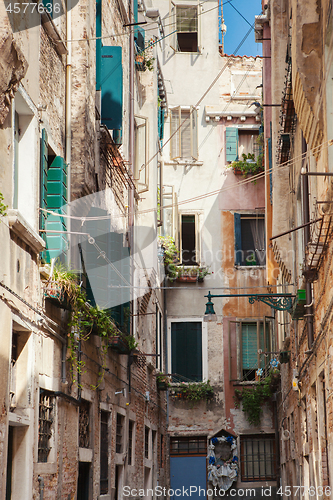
x: 306, y: 219
x: 68, y: 121
x: 41, y: 487
x: 131, y: 153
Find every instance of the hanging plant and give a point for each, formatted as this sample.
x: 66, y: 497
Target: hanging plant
x: 253, y: 399
x: 248, y: 165
x: 84, y: 319
x: 170, y: 256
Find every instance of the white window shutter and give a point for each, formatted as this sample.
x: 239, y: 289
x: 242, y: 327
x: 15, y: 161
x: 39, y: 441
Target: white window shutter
x: 175, y: 134
x: 194, y: 133
x: 172, y: 26
x: 185, y: 135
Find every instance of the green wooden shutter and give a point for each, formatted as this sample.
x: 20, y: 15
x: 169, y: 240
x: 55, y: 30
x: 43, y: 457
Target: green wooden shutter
x: 186, y: 350
x: 231, y: 136
x: 56, y: 200
x: 112, y: 87
x: 238, y: 239
x: 249, y: 346
x: 43, y: 180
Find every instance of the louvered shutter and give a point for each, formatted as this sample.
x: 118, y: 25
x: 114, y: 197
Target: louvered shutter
x: 231, y: 135
x: 194, y: 133
x: 238, y: 239
x: 249, y: 346
x: 56, y: 199
x: 185, y: 135
x: 175, y: 134
x: 43, y: 180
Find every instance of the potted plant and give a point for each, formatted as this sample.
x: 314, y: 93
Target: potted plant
x: 170, y: 256
x: 248, y: 165
x: 193, y: 391
x: 162, y: 381
x: 118, y: 344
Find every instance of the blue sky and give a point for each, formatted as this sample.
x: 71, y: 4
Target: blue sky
x: 238, y: 27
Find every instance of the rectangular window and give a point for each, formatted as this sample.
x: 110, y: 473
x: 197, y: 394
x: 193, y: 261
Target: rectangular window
x: 188, y: 446
x: 187, y: 28
x: 130, y: 442
x: 258, y: 458
x: 188, y: 240
x: 45, y: 424
x: 239, y: 142
x: 184, y: 134
x: 84, y: 424
x: 147, y: 442
x: 248, y: 343
x: 186, y: 351
x: 250, y: 240
x: 253, y: 341
x: 104, y: 453
x: 159, y: 339
x: 119, y: 433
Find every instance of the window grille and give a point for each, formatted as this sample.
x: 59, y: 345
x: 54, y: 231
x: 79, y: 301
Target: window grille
x: 84, y: 424
x: 119, y: 433
x: 130, y: 442
x: 45, y: 421
x: 104, y: 453
x: 146, y: 442
x: 188, y: 446
x: 258, y: 458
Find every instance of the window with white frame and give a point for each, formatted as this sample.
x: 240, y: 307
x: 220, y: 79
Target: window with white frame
x: 189, y: 240
x: 187, y: 28
x: 186, y: 350
x: 184, y: 133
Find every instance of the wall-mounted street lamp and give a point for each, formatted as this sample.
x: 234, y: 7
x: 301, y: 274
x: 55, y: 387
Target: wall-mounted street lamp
x: 279, y: 301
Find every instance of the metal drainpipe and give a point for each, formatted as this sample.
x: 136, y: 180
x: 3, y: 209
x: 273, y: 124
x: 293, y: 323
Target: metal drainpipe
x: 41, y: 487
x: 306, y: 219
x: 131, y: 150
x: 68, y: 120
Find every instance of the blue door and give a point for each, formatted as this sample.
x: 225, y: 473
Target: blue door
x: 186, y: 473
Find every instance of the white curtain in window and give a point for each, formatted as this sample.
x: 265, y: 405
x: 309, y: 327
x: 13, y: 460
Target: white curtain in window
x: 258, y: 234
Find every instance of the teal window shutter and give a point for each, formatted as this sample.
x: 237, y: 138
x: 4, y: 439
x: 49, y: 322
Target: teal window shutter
x: 56, y: 200
x: 238, y: 239
x: 249, y: 346
x: 231, y: 136
x: 112, y: 87
x: 43, y: 180
x: 186, y: 349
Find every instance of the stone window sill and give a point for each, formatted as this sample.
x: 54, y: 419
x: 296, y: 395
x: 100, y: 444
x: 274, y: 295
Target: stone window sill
x: 23, y: 230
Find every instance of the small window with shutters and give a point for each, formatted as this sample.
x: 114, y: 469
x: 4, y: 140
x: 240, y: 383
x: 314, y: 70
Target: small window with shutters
x: 250, y: 347
x: 184, y: 27
x: 186, y: 351
x: 184, y: 133
x: 250, y: 239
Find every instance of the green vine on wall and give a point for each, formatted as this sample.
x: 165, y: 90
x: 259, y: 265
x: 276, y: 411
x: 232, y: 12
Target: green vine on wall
x: 84, y: 319
x: 3, y: 207
x: 253, y: 399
